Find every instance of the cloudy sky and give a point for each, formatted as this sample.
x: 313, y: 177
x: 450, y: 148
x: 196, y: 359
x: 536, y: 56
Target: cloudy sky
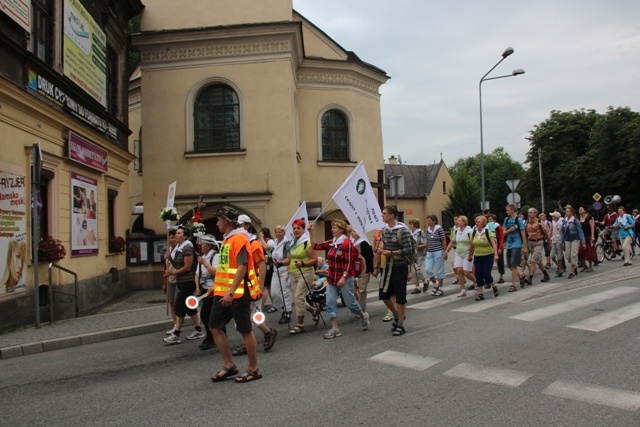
x: 576, y: 54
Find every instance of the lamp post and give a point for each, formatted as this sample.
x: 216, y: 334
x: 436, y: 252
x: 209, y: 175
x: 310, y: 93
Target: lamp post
x: 508, y: 51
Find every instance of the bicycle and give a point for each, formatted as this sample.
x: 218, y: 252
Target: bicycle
x: 604, y: 248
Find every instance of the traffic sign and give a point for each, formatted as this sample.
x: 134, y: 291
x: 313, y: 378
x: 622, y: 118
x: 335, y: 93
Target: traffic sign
x: 513, y: 184
x: 513, y: 198
x: 597, y: 206
x: 597, y: 197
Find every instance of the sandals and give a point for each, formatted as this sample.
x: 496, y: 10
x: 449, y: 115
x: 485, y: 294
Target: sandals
x: 297, y: 330
x: 512, y: 288
x: 501, y: 280
x: 272, y: 310
x: 462, y: 294
x: 495, y: 291
x: 437, y: 292
x: 480, y: 297
x: 399, y: 330
x: 270, y: 339
x: 239, y: 351
x: 522, y: 281
x: 248, y: 376
x: 226, y: 374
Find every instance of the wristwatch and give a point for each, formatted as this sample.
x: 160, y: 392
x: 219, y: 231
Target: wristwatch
x: 230, y: 293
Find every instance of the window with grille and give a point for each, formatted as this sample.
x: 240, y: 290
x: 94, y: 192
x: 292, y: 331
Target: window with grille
x: 335, y: 136
x: 216, y: 119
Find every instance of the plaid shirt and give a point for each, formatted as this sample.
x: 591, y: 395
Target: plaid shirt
x: 341, y: 259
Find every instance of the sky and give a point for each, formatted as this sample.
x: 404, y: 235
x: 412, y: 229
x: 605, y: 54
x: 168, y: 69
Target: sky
x: 576, y: 54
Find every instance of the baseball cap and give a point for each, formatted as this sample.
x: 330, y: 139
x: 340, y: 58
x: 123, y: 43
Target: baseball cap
x: 244, y: 219
x: 228, y: 213
x: 556, y: 214
x: 208, y: 239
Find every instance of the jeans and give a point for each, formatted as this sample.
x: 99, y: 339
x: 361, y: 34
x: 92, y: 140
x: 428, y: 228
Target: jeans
x: 347, y: 296
x: 435, y: 260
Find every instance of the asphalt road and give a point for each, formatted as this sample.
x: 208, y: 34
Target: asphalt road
x: 564, y: 353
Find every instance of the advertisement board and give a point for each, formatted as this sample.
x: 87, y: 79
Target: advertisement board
x: 84, y: 215
x: 13, y: 233
x: 84, y: 51
x: 19, y: 11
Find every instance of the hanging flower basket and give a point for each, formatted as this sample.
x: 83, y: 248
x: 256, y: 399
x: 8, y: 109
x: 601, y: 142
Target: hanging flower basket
x: 117, y: 245
x: 169, y: 214
x: 50, y: 249
x: 199, y: 229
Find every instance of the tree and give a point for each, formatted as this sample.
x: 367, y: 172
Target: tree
x: 465, y: 194
x: 584, y: 152
x: 499, y: 167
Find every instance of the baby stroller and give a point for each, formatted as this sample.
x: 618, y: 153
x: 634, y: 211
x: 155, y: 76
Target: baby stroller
x: 317, y: 296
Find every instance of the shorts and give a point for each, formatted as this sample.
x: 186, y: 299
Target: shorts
x: 239, y: 311
x: 396, y: 284
x: 536, y: 251
x: 514, y: 257
x: 185, y: 290
x: 611, y: 233
x: 462, y: 262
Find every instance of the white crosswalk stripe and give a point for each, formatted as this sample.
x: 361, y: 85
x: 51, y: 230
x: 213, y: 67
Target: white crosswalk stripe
x: 405, y: 360
x: 564, y: 307
x: 608, y: 320
x: 504, y: 377
x: 582, y: 392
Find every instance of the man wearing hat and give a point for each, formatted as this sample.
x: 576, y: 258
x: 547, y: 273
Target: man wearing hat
x: 234, y: 287
x: 206, y: 271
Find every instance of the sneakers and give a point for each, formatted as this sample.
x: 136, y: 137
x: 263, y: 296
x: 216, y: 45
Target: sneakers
x: 196, y: 335
x: 546, y: 278
x: 571, y: 275
x: 558, y: 273
x: 365, y: 322
x: 172, y: 339
x: 286, y: 317
x: 333, y: 333
x: 388, y: 317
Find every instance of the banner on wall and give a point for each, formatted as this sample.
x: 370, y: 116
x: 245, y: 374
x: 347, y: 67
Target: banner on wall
x: 85, y: 51
x: 84, y: 215
x: 13, y: 233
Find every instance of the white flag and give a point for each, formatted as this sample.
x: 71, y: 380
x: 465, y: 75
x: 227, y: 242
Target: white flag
x: 301, y: 213
x: 358, y: 202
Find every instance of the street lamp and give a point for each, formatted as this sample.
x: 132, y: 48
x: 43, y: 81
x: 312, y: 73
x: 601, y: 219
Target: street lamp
x: 508, y: 51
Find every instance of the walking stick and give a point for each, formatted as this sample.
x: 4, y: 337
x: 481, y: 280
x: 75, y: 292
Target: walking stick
x: 314, y: 303
x: 284, y: 302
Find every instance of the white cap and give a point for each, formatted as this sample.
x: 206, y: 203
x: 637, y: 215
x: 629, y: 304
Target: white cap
x: 244, y: 219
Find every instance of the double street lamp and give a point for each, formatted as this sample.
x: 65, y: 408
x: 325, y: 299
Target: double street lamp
x: 508, y: 51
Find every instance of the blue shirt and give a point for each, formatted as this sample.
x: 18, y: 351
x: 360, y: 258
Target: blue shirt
x: 513, y: 239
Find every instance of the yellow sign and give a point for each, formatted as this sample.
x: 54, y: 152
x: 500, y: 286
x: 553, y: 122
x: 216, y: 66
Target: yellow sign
x: 85, y: 51
x: 597, y: 197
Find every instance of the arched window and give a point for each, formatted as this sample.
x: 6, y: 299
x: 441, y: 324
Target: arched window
x: 335, y: 136
x: 216, y: 119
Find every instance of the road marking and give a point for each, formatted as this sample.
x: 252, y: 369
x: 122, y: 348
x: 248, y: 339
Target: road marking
x: 574, y: 304
x: 435, y: 302
x: 405, y: 360
x: 608, y: 320
x: 599, y: 395
x: 506, y: 377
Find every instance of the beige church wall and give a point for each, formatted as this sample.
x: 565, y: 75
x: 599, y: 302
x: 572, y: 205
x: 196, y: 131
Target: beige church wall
x: 172, y: 14
x: 318, y: 45
x: 269, y: 162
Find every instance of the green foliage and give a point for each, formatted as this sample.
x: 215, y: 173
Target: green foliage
x: 499, y: 167
x: 584, y: 152
x: 464, y: 195
x: 133, y: 54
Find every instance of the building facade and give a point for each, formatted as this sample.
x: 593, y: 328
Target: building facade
x: 246, y: 104
x: 63, y: 95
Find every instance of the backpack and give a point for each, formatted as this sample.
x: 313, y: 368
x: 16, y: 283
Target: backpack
x: 486, y: 231
x: 517, y: 224
x: 412, y: 258
x: 359, y: 265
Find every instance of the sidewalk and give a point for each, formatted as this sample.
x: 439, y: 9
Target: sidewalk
x: 136, y: 313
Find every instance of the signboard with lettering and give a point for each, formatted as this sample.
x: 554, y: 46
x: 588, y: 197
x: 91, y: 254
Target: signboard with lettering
x: 85, y: 51
x: 13, y: 233
x: 88, y: 154
x: 19, y: 11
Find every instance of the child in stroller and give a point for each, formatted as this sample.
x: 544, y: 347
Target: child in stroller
x: 317, y: 295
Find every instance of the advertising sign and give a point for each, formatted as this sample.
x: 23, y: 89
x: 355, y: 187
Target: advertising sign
x: 13, y: 233
x: 88, y: 154
x: 85, y: 51
x: 84, y: 215
x: 19, y: 11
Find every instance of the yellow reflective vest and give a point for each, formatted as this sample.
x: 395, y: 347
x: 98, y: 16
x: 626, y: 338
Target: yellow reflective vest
x: 228, y: 267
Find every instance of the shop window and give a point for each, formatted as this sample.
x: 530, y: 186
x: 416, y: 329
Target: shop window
x: 112, y: 195
x: 216, y: 119
x: 335, y: 136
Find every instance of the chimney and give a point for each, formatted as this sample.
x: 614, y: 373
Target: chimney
x: 393, y: 160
